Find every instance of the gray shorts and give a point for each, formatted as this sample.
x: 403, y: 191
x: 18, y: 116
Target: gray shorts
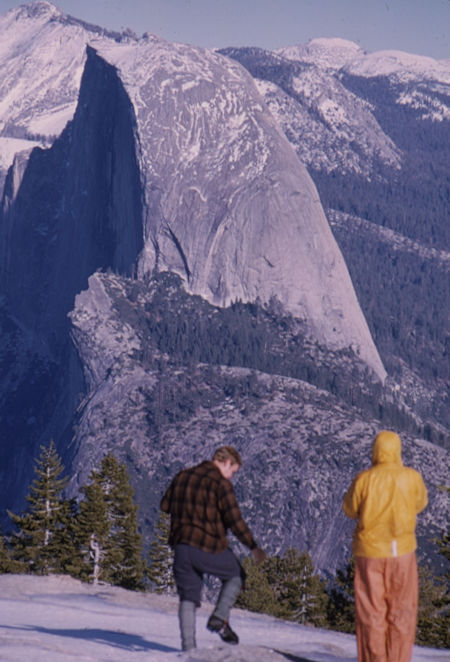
x: 191, y: 563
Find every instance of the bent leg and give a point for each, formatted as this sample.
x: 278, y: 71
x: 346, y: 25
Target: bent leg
x: 370, y: 609
x: 226, y: 567
x: 227, y: 597
x: 402, y: 599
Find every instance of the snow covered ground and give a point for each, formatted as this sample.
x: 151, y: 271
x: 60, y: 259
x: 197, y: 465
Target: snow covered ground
x: 58, y: 619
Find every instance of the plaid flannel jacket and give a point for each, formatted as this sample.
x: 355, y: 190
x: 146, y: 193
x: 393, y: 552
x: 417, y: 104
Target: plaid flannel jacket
x: 202, y: 506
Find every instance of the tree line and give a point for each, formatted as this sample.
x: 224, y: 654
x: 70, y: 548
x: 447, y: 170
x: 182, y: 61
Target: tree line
x: 97, y: 539
x: 94, y: 539
x: 263, y: 337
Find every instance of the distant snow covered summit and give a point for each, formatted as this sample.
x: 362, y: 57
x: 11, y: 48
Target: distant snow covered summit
x: 332, y: 53
x: 335, y: 54
x: 404, y: 66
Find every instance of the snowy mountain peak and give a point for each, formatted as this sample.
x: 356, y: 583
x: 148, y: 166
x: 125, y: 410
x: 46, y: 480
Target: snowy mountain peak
x: 37, y: 10
x: 42, y: 55
x: 334, y: 43
x: 41, y: 13
x: 404, y: 66
x: 336, y: 54
x: 324, y: 52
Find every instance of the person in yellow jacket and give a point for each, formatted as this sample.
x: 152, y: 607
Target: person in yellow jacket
x: 385, y: 500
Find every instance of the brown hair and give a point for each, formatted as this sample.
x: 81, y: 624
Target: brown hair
x: 225, y: 453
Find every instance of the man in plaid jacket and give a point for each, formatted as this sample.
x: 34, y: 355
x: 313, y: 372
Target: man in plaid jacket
x: 202, y: 506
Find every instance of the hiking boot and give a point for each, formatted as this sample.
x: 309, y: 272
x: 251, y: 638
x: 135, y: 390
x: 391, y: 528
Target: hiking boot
x: 216, y: 624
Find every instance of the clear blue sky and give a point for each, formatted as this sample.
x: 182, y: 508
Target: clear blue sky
x: 415, y: 26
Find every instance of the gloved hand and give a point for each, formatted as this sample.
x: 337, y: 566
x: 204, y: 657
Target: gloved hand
x: 259, y: 555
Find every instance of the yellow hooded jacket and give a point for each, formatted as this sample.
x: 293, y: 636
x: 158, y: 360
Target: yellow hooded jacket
x: 385, y: 500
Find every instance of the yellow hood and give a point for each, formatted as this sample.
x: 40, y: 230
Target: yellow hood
x: 387, y: 447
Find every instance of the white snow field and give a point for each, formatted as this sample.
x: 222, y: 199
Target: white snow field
x: 59, y: 619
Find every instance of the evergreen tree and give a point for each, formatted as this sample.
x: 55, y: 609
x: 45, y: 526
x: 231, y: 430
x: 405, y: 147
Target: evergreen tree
x: 4, y: 557
x: 257, y: 594
x: 160, y: 571
x: 433, y: 620
x: 92, y: 533
x: 444, y: 545
x: 69, y: 557
x: 36, y: 544
x: 287, y: 587
x: 444, y: 541
x: 110, y: 529
x: 7, y: 564
x: 341, y: 603
x: 300, y: 592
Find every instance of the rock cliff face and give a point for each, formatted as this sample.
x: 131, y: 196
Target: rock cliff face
x: 225, y: 201
x: 73, y: 208
x: 67, y: 211
x: 229, y: 206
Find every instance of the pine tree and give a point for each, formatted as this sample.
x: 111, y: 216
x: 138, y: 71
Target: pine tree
x: 286, y: 586
x: 444, y: 545
x: 125, y: 553
x: 7, y: 564
x: 69, y: 557
x: 35, y: 545
x: 109, y: 529
x: 4, y: 557
x: 433, y: 622
x: 299, y: 591
x: 160, y: 571
x: 341, y: 603
x: 444, y: 541
x: 92, y: 533
x: 257, y: 594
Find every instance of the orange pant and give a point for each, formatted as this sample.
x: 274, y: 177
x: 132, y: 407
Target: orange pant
x: 386, y: 597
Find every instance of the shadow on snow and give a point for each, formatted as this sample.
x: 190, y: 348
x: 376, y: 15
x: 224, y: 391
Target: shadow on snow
x: 130, y: 642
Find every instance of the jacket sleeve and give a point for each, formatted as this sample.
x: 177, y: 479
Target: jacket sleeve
x: 422, y: 496
x: 352, y: 500
x: 166, y: 500
x: 232, y: 518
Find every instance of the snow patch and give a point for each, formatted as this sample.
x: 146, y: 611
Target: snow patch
x: 328, y: 53
x: 404, y: 66
x: 9, y: 147
x: 59, y: 619
x: 54, y: 121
